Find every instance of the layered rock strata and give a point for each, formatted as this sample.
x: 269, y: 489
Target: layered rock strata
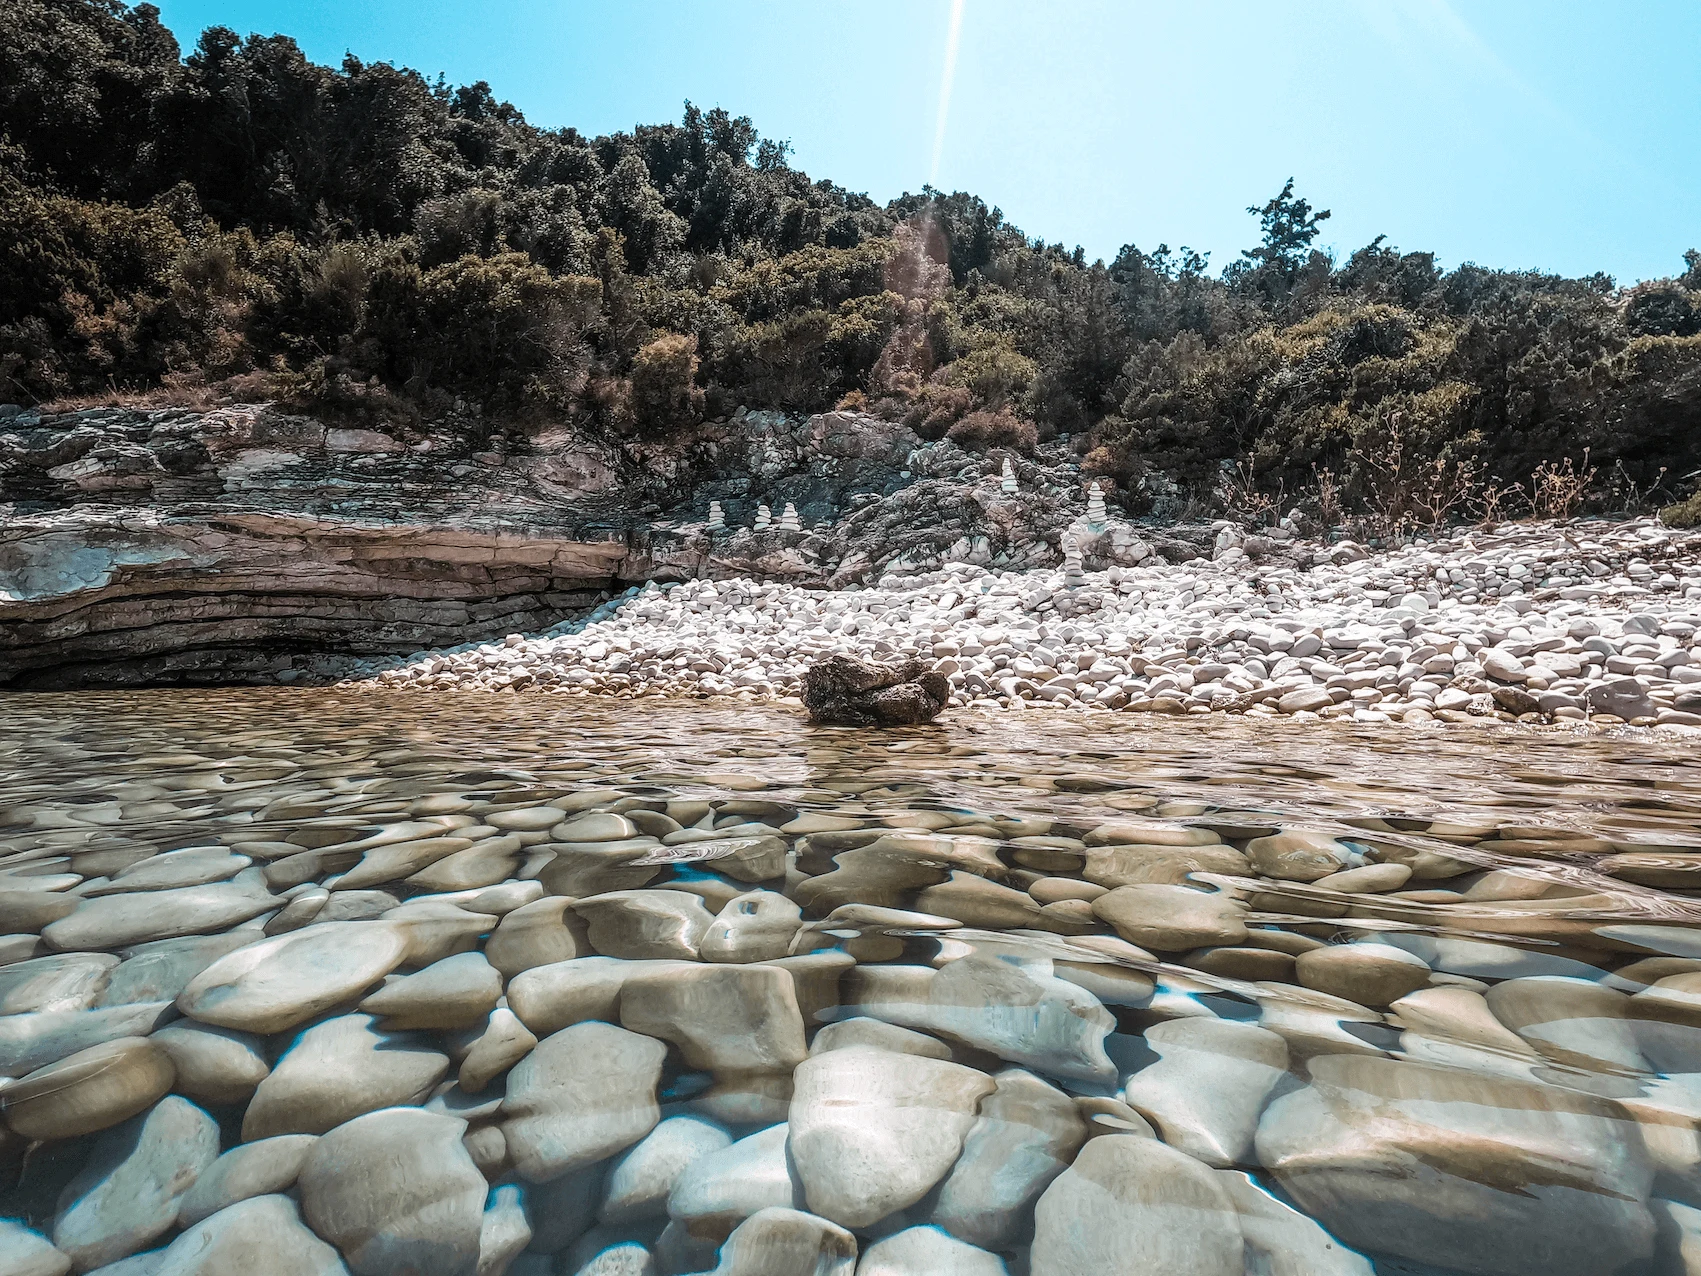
x: 246, y: 543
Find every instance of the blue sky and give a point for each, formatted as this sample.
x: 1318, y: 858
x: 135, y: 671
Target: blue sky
x: 1549, y: 134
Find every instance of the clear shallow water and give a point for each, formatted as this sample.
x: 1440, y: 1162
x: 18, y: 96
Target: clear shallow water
x: 1120, y: 1012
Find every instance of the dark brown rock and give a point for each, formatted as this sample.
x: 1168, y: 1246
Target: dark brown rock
x: 846, y: 692
x: 1516, y: 700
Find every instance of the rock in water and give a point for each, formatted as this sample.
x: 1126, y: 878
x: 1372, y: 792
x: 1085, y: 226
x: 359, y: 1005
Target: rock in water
x: 271, y: 986
x: 846, y: 692
x: 582, y: 1094
x: 642, y: 1177
x: 214, y: 1065
x: 1127, y: 1195
x: 778, y: 1240
x: 719, y: 1190
x: 1208, y: 1086
x: 396, y: 1192
x: 130, y: 1190
x: 262, y: 1234
x: 253, y: 1169
x: 504, y: 1231
x: 27, y: 1253
x: 1459, y: 1169
x: 873, y: 1131
x: 88, y: 1091
x: 338, y: 1069
x: 927, y: 1251
x: 1280, y: 1241
x: 1025, y: 1135
x: 722, y: 1018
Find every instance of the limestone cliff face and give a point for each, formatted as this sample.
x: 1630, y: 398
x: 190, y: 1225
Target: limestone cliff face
x: 246, y: 543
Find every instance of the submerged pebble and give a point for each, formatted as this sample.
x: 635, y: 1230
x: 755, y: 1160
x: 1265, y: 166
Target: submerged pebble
x: 525, y: 995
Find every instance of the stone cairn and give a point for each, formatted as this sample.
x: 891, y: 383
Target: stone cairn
x: 1008, y: 482
x: 764, y: 518
x: 788, y: 519
x: 717, y: 517
x: 1096, y: 515
x: 1072, y: 574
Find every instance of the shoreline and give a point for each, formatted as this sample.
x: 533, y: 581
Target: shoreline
x: 1579, y: 622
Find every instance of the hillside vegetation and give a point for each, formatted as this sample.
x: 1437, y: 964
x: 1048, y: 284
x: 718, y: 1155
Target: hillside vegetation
x: 239, y: 222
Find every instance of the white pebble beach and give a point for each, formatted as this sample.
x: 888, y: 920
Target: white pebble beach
x: 1579, y: 622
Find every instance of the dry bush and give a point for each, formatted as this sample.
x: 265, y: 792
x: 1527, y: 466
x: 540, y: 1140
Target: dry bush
x: 1495, y: 501
x: 1629, y: 495
x: 994, y: 429
x: 1558, y: 488
x: 1240, y: 496
x: 1328, y: 497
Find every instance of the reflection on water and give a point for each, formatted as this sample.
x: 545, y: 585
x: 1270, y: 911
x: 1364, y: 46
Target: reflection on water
x: 316, y: 981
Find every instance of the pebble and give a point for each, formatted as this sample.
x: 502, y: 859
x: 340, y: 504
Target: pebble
x: 457, y: 992
x: 860, y: 1030
x: 1298, y: 856
x: 719, y: 1190
x: 1019, y: 1011
x: 754, y: 926
x: 395, y: 1191
x: 338, y: 1069
x: 503, y: 1233
x: 1371, y: 974
x: 640, y: 924
x: 1572, y: 1021
x: 540, y: 933
x: 129, y: 1191
x: 118, y: 921
x: 1280, y: 1241
x: 33, y: 1040
x: 1172, y: 919
x: 1025, y: 1134
x: 550, y: 998
x: 273, y: 985
x: 873, y: 1131
x: 29, y: 912
x: 194, y: 867
x: 1126, y: 1195
x: 722, y: 1018
x: 502, y: 1044
x: 582, y: 1094
x: 261, y: 1234
x: 1208, y: 1086
x: 89, y: 1090
x: 161, y: 970
x: 252, y: 1169
x: 784, y: 1240
x: 63, y: 981
x: 1409, y: 1160
x: 215, y: 1066
x: 641, y: 1179
x: 27, y: 1253
x: 927, y: 1251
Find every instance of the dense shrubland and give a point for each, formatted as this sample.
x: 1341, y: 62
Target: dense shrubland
x: 242, y: 223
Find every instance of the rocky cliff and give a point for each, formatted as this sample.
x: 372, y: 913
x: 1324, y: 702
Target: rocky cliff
x: 249, y: 543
